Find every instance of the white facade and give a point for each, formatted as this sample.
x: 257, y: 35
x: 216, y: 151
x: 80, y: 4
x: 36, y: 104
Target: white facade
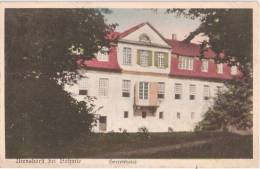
x: 114, y: 105
x: 122, y: 113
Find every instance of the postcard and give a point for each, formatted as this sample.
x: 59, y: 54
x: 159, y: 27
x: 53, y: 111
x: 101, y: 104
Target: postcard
x: 129, y: 84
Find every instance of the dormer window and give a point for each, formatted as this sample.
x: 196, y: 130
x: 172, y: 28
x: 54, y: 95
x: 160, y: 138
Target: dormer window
x: 102, y: 55
x: 185, y: 63
x: 204, y: 65
x: 234, y: 70
x: 220, y: 68
x: 144, y: 38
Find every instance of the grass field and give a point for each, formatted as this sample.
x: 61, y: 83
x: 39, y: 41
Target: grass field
x: 151, y: 145
x: 221, y: 145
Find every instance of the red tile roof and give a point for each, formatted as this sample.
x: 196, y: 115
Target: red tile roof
x: 128, y: 31
x: 111, y: 65
x: 188, y: 49
x: 197, y: 73
x: 178, y: 47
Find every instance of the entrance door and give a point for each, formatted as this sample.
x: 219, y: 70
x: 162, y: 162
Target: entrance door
x: 102, y: 123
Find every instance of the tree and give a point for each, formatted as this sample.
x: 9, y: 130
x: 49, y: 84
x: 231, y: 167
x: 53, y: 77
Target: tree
x: 231, y: 37
x: 230, y: 33
x: 231, y: 108
x: 40, y: 115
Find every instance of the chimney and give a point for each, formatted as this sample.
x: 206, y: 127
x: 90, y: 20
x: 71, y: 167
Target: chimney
x: 174, y: 36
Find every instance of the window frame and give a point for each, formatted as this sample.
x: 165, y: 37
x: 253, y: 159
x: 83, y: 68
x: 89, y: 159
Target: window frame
x: 144, y: 114
x: 178, y: 115
x: 127, y: 56
x: 206, y: 93
x: 160, y: 57
x: 220, y: 68
x: 83, y: 92
x: 103, y: 55
x: 233, y: 70
x: 161, y: 115
x: 144, y: 38
x: 83, y: 86
x: 204, y: 67
x: 126, y: 88
x: 143, y: 92
x: 144, y: 58
x: 103, y: 88
x: 192, y: 91
x: 126, y: 114
x: 161, y: 90
x: 185, y: 63
x: 177, y: 94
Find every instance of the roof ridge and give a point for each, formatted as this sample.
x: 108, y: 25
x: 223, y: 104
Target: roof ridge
x: 190, y: 43
x: 132, y: 29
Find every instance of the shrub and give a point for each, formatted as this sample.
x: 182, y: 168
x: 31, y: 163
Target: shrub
x: 143, y: 133
x: 170, y: 130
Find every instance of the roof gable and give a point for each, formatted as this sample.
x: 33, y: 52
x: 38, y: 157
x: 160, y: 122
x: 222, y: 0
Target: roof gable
x: 133, y: 34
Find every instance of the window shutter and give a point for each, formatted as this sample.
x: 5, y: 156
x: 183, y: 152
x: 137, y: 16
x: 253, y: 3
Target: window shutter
x: 165, y: 60
x: 150, y: 58
x: 156, y: 59
x: 138, y: 56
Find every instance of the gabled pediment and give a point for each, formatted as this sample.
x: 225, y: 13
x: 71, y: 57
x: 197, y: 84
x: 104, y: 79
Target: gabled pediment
x: 143, y: 33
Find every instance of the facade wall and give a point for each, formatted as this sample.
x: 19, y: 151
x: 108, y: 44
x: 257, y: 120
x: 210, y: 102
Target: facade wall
x: 134, y: 66
x: 114, y: 104
x: 176, y: 114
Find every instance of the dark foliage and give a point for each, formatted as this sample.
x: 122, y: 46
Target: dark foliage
x: 229, y: 31
x: 43, y: 116
x: 38, y: 40
x: 230, y: 34
x: 232, y: 107
x: 40, y: 115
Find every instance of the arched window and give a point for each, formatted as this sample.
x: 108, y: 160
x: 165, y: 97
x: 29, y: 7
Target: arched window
x: 144, y: 38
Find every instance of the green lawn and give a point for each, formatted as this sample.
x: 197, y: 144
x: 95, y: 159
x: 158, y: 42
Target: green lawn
x: 221, y: 145
x: 224, y: 145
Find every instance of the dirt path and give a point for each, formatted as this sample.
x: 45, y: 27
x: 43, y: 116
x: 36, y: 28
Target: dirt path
x: 153, y: 150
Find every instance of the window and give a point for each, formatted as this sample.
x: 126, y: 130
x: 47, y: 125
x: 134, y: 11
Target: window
x: 143, y: 114
x: 102, y: 123
x: 204, y: 65
x: 144, y: 38
x: 220, y: 68
x: 127, y: 56
x: 103, y: 87
x: 160, y: 56
x: 125, y: 114
x: 160, y: 115
x: 178, y: 91
x: 185, y: 63
x: 143, y: 90
x: 144, y: 58
x: 206, y: 92
x: 161, y: 90
x: 102, y: 55
x: 126, y: 85
x: 178, y: 115
x: 83, y: 92
x: 192, y: 92
x: 233, y: 70
x: 83, y: 86
x: 192, y: 115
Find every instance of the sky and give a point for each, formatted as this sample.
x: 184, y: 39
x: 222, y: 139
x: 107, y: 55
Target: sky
x: 166, y: 24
